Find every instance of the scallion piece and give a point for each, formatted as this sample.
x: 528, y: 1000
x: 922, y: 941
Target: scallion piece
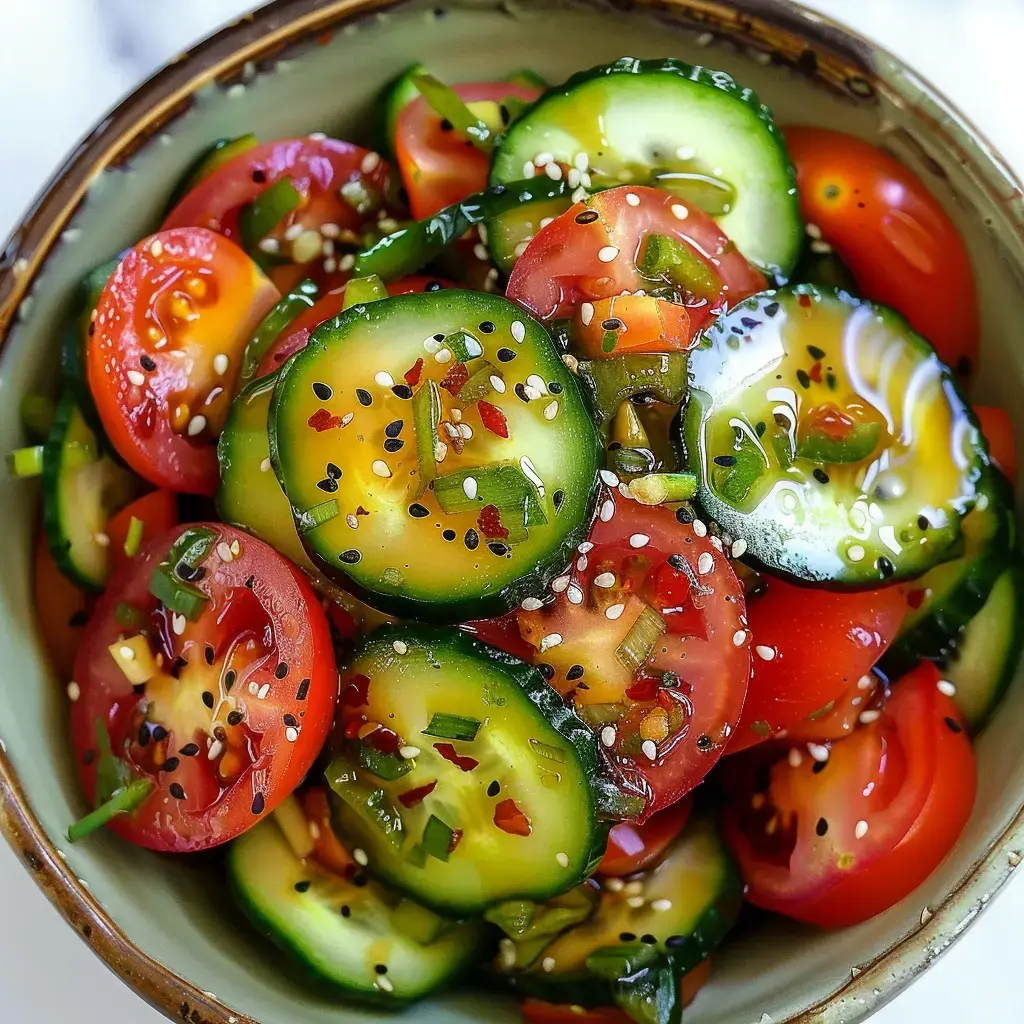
x: 266, y: 211
x: 479, y: 384
x: 123, y: 801
x: 171, y: 582
x: 112, y: 773
x: 452, y: 727
x: 670, y: 260
x: 734, y: 482
x: 385, y: 766
x: 426, y: 416
x: 463, y: 346
x: 361, y: 290
x: 658, y: 488
x: 505, y: 486
x: 292, y: 305
x: 447, y: 102
x: 317, y: 515
x: 857, y: 445
x: 437, y: 839
x: 638, y: 643
x: 26, y: 462
x: 37, y: 414
x: 133, y: 538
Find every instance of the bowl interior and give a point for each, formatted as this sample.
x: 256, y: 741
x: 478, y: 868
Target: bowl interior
x: 174, y: 910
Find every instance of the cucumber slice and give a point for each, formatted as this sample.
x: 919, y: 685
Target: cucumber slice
x: 397, y: 95
x: 462, y: 824
x: 985, y: 656
x: 783, y: 365
x: 344, y: 443
x: 691, y: 900
x: 82, y: 489
x: 682, y: 128
x: 338, y: 932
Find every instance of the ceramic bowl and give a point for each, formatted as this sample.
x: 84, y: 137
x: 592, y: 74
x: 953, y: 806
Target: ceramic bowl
x: 299, y: 66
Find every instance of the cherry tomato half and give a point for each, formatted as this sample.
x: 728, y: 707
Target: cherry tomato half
x: 157, y: 511
x: 237, y: 704
x: 997, y: 427
x: 633, y: 847
x: 650, y: 591
x: 810, y: 646
x: 820, y: 840
x: 890, y: 231
x: 163, y: 359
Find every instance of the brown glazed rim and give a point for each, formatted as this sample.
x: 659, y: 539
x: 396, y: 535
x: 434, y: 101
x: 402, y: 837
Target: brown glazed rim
x: 814, y: 45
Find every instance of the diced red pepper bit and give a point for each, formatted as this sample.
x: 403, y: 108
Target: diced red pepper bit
x: 455, y: 379
x: 413, y: 374
x: 493, y: 418
x: 384, y: 740
x: 815, y: 373
x: 510, y: 819
x: 489, y: 522
x: 353, y: 726
x: 449, y: 753
x: 455, y: 839
x: 416, y: 796
x: 644, y: 689
x: 357, y: 691
x: 322, y: 420
x: 915, y: 598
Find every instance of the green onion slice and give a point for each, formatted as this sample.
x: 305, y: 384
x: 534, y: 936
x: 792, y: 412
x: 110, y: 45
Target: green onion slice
x: 123, y: 801
x: 658, y: 488
x: 316, y: 516
x: 272, y: 326
x: 437, y: 839
x: 638, y: 643
x: 258, y: 218
x: 670, y: 260
x: 171, y: 582
x: 452, y: 727
x: 133, y: 538
x: 385, y: 766
x: 426, y: 417
x: 447, y: 102
x: 479, y: 384
x: 505, y: 486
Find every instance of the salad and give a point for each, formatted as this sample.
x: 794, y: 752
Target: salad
x: 521, y: 544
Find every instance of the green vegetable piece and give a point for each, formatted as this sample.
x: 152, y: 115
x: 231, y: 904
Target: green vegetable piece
x: 463, y: 346
x: 611, y: 802
x: 437, y: 839
x: 316, y: 516
x: 258, y: 218
x: 123, y: 801
x: 37, y: 414
x: 659, y: 488
x: 361, y: 290
x: 170, y: 581
x: 302, y: 297
x: 26, y: 461
x: 112, y: 773
x: 610, y: 382
x: 668, y: 259
x: 210, y: 160
x: 426, y: 418
x: 385, y: 766
x: 133, y: 537
x: 532, y: 926
x: 349, y: 785
x: 505, y: 486
x: 452, y: 727
x: 630, y: 462
x: 856, y: 446
x: 638, y: 643
x: 644, y: 982
x: 479, y: 385
x: 446, y: 102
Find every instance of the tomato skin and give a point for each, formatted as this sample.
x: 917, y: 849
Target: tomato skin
x: 821, y: 642
x: 62, y: 610
x: 997, y: 427
x: 633, y: 847
x: 648, y: 324
x: 158, y: 512
x: 441, y: 167
x: 283, y: 618
x: 894, y: 236
x: 174, y: 303
x: 503, y: 633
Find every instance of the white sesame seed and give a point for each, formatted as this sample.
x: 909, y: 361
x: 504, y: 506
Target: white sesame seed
x: 551, y: 410
x: 716, y: 543
x: 764, y: 652
x: 639, y: 540
x: 660, y: 906
x: 137, y: 377
x: 74, y: 691
x: 813, y: 231
x: 465, y: 430
x: 359, y: 856
x: 582, y: 562
x: 739, y: 638
x: 739, y: 548
x: 518, y: 329
x: 254, y: 688
x: 867, y: 717
x: 581, y: 161
x: 607, y: 253
x: 559, y: 583
x: 314, y: 831
x: 607, y: 510
x: 384, y: 983
x: 946, y: 687
x: 563, y: 859
x: 705, y: 563
x: 497, y: 383
x: 548, y: 964
x: 352, y: 521
x: 196, y: 425
x: 679, y: 211
x: 818, y: 751
x: 400, y: 647
x: 586, y: 313
x: 531, y: 392
x: 291, y: 734
x: 699, y: 528
x: 507, y: 950
x: 381, y: 468
x: 634, y: 888
x: 370, y: 163
x: 224, y: 552
x: 605, y: 580
x: 686, y: 152
x: 531, y: 604
x: 469, y: 487
x: 573, y: 181
x: 632, y: 198
x: 543, y: 159
x: 262, y: 692
x: 795, y: 758
x: 443, y: 355
x: 293, y: 232
x: 216, y: 749
x: 347, y: 262
x: 636, y: 902
x: 860, y: 830
x: 607, y: 735
x: 102, y: 539
x: 177, y: 623
x: 650, y: 750
x: 347, y: 419
x: 865, y: 683
x: 456, y: 415
x: 608, y: 477
x: 265, y: 465
x: 614, y: 884
x: 926, y: 915
x: 553, y: 171
x: 450, y: 429
x: 551, y: 640
x: 268, y: 245
x: 574, y: 594
x: 613, y: 611
x: 409, y: 752
x: 384, y: 379
x: 156, y: 247
x: 529, y: 169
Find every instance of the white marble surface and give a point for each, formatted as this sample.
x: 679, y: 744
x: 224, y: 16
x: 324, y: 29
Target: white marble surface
x: 63, y: 63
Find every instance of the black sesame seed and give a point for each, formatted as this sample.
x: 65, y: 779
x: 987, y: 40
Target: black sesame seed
x: 704, y: 743
x: 677, y: 562
x: 363, y: 396
x: 675, y: 941
x: 736, y: 329
x: 303, y: 691
x: 170, y: 765
x: 328, y: 484
x: 210, y: 654
x: 176, y: 791
x: 613, y: 323
x: 749, y: 322
x: 346, y: 911
x: 554, y: 387
x: 229, y: 679
x: 438, y: 337
x: 208, y: 698
x: 520, y: 391
x: 820, y: 475
x: 831, y: 381
x: 472, y: 539
x: 393, y: 444
x: 819, y: 767
x: 884, y: 567
x: 446, y: 125
x: 282, y: 670
x: 587, y: 217
x: 418, y: 511
x: 360, y: 880
x: 322, y: 391
x: 394, y: 428
x: 575, y: 672
x: 546, y: 670
x: 497, y: 548
x: 259, y: 176
x: 189, y: 750
x: 815, y: 352
x: 258, y: 804
x: 725, y: 460
x: 771, y: 309
x: 494, y: 788
x: 557, y: 498
x: 402, y: 391
x: 333, y: 471
x: 684, y: 515
x: 350, y: 557
x: 235, y: 718
x: 250, y: 581
x: 487, y: 327
x: 953, y: 724
x: 822, y: 827
x: 922, y: 523
x: 159, y: 734
x: 290, y: 719
x: 805, y: 380
x: 449, y: 535
x: 648, y: 939
x: 178, y: 664
x: 147, y: 363
x: 627, y: 937
x: 302, y: 886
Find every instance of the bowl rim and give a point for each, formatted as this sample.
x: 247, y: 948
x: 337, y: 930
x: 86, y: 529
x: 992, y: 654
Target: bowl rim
x: 782, y: 27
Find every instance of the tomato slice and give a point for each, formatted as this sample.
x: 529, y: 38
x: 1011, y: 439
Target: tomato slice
x: 580, y: 258
x: 239, y: 702
x: 632, y: 847
x: 630, y: 324
x: 168, y: 334
x: 799, y: 827
x: 810, y: 646
x: 839, y: 718
x: 440, y: 166
x: 327, y: 306
x: 157, y: 511
x: 323, y: 227
x: 641, y: 572
x: 898, y: 242
x: 997, y: 427
x: 62, y: 610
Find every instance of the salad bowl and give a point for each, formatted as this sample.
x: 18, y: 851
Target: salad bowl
x: 300, y: 66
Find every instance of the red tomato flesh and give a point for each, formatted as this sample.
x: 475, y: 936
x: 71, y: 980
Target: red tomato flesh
x: 632, y: 847
x: 157, y: 511
x: 997, y: 427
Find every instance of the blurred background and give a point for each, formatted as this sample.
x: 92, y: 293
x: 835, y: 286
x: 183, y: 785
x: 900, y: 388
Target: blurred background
x: 64, y: 63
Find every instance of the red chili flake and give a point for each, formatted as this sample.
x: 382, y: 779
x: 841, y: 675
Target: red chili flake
x: 489, y: 522
x: 449, y: 753
x: 915, y: 598
x: 815, y: 373
x: 384, y: 740
x: 343, y: 621
x: 416, y: 796
x: 455, y: 379
x: 644, y: 689
x: 493, y: 419
x: 455, y: 839
x: 510, y: 819
x: 412, y: 375
x: 804, y: 300
x: 357, y: 692
x: 353, y: 726
x: 322, y: 420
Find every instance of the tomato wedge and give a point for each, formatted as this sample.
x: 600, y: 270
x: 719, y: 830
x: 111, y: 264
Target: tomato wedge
x: 647, y: 637
x: 896, y: 239
x: 804, y: 829
x: 594, y: 251
x: 810, y: 646
x: 225, y: 714
x: 168, y: 334
x: 997, y: 427
x: 632, y: 847
x: 440, y: 166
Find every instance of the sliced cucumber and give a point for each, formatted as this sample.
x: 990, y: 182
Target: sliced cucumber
x: 352, y: 938
x: 782, y: 371
x: 82, y: 489
x: 985, y: 657
x: 397, y: 95
x: 475, y: 787
x: 682, y: 128
x: 344, y: 441
x: 690, y: 901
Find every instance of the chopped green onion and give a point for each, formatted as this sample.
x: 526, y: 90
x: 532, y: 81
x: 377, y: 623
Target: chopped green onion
x: 643, y: 980
x: 123, y: 801
x: 668, y: 259
x: 859, y: 443
x: 258, y: 218
x: 505, y: 486
x: 26, y: 461
x: 447, y: 102
x: 426, y: 417
x: 270, y: 328
x: 437, y: 839
x: 371, y: 805
x: 610, y: 382
x: 658, y: 488
x: 547, y: 750
x: 638, y: 643
x: 112, y: 773
x: 361, y: 290
x: 734, y: 482
x: 479, y: 385
x: 611, y: 803
x: 168, y: 584
x: 37, y: 414
x: 385, y: 766
x: 463, y: 346
x: 316, y: 516
x: 133, y: 538
x: 128, y: 615
x: 452, y: 727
